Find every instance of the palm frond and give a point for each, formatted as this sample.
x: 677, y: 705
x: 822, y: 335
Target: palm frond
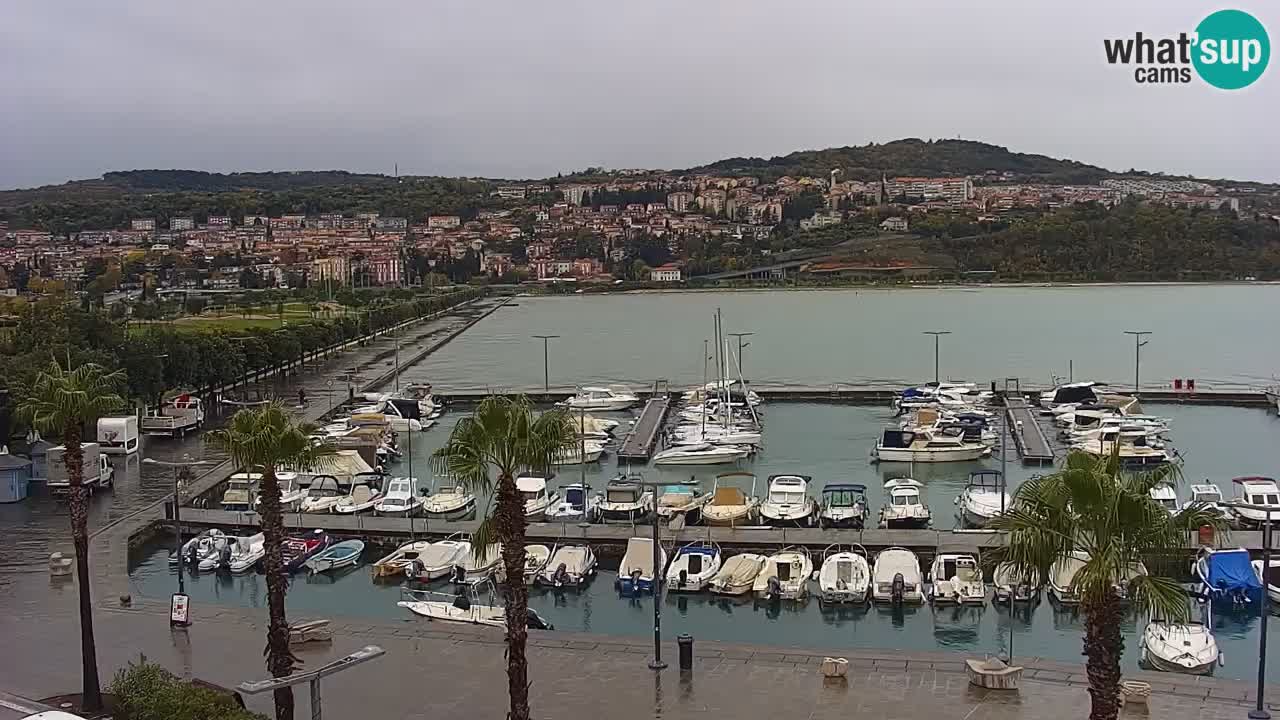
x: 483, y: 539
x: 1162, y: 598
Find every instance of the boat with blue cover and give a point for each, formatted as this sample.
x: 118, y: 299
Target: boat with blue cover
x: 1227, y: 577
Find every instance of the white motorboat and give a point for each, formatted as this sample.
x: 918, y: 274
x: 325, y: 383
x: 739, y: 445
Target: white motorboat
x: 1270, y: 579
x: 537, y: 500
x: 1076, y: 393
x: 439, y: 559
x: 449, y: 503
x: 383, y: 413
x: 1008, y: 583
x: 202, y: 548
x: 896, y: 577
x: 291, y: 491
x: 625, y: 500
x: 693, y: 567
x: 785, y: 575
x: 613, y: 397
x: 569, y: 566
x: 904, y: 507
x: 845, y: 576
x: 578, y: 504
x: 1260, y: 491
x: 1227, y: 577
x: 729, y: 505
x: 463, y: 609
x: 638, y: 568
x: 736, y: 389
x: 1167, y: 498
x: 737, y: 575
x: 584, y: 451
x: 1062, y: 575
x: 206, y: 537
x: 1209, y: 497
x: 926, y: 446
x: 246, y: 552
x: 1179, y: 647
x: 788, y: 502
x: 322, y: 495
x: 364, y: 496
x: 955, y: 579
x: 844, y: 505
x: 335, y: 557
x: 591, y: 426
x: 536, y: 558
x: 242, y: 487
x: 471, y: 567
x: 983, y: 498
x: 699, y: 454
x: 681, y: 501
x: 1132, y: 446
x: 399, y: 560
x: 1273, y: 397
x: 400, y: 500
x: 715, y: 434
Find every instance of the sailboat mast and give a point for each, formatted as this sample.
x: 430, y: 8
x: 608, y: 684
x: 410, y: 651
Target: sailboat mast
x: 705, y: 358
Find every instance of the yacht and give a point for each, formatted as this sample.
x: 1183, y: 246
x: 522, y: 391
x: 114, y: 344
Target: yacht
x: 1188, y: 648
x: 451, y: 502
x: 1132, y: 446
x: 291, y: 491
x: 1210, y: 497
x: 322, y: 495
x: 956, y: 580
x: 400, y: 500
x: 1260, y: 491
x: 684, y: 501
x: 844, y: 505
x: 625, y: 500
x: 693, y: 567
x: 569, y: 566
x: 904, y: 507
x: 729, y: 505
x: 896, y: 577
x: 788, y: 503
x: 638, y: 569
x: 983, y: 498
x: 926, y: 446
x: 785, y: 575
x: 715, y: 434
x: 1010, y: 585
x: 536, y: 497
x: 699, y: 454
x: 603, y: 399
x: 1076, y: 393
x: 738, y: 574
x: 845, y: 576
x: 1165, y: 497
x: 578, y: 504
x: 241, y: 490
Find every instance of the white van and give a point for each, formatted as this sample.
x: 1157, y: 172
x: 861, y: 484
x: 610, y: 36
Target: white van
x: 119, y: 435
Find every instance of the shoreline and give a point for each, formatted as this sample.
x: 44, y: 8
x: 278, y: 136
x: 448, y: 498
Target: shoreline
x: 911, y: 286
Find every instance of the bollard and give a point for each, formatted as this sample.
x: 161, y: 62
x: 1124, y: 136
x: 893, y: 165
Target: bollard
x: 686, y: 651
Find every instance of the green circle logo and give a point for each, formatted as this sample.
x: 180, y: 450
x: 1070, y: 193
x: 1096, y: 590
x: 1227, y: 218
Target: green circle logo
x: 1232, y: 49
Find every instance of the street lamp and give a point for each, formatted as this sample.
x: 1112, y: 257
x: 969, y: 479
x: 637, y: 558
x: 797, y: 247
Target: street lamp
x: 178, y: 468
x: 1138, y: 342
x: 936, y: 335
x: 313, y: 677
x: 741, y: 345
x: 546, y: 372
x: 1259, y: 712
x: 658, y: 577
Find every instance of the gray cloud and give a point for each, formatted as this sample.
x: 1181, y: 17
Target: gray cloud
x: 505, y: 88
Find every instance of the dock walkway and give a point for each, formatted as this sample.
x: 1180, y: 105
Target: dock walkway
x: 1027, y: 433
x: 639, y: 442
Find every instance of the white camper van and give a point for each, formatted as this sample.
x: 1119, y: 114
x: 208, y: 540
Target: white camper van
x: 118, y: 435
x: 98, y: 472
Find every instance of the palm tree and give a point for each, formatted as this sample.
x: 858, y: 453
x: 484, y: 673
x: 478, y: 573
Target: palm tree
x: 503, y: 437
x: 1093, y: 505
x: 61, y: 403
x: 265, y: 440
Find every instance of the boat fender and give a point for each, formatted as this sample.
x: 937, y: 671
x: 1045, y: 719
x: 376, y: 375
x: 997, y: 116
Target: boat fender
x: 1222, y: 660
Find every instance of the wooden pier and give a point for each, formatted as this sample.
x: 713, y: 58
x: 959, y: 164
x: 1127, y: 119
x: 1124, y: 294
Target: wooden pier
x: 1025, y: 428
x: 639, y: 442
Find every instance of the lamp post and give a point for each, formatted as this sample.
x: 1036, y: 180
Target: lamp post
x: 546, y: 365
x: 178, y: 467
x: 1138, y: 342
x: 658, y: 578
x: 936, y: 335
x: 313, y: 677
x: 1259, y: 712
x: 741, y: 346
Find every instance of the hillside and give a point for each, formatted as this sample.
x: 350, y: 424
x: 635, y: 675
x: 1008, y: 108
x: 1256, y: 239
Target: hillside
x: 913, y: 157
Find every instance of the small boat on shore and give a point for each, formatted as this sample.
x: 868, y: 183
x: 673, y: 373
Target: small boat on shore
x: 730, y: 506
x: 638, y: 569
x: 788, y: 503
x: 1188, y: 648
x: 845, y: 576
x: 569, y: 566
x: 785, y: 575
x: 737, y: 575
x: 896, y: 577
x: 339, y: 555
x: 400, y: 559
x: 693, y: 567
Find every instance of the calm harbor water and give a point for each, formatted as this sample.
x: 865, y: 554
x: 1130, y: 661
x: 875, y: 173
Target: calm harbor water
x: 1207, y: 332
x: 830, y: 443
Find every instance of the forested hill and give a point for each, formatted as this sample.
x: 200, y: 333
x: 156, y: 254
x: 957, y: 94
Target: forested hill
x: 199, y: 181
x: 914, y: 157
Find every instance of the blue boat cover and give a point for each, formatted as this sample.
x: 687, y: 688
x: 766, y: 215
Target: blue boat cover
x: 1229, y: 570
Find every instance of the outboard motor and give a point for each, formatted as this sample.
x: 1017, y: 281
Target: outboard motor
x: 193, y: 556
x: 775, y: 588
x: 635, y: 582
x: 415, y: 569
x: 459, y: 574
x: 683, y: 580
x: 898, y: 590
x: 462, y: 602
x: 224, y: 557
x: 560, y: 577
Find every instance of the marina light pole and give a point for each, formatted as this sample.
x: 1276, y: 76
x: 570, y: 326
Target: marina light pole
x: 937, y: 334
x: 658, y: 577
x: 1138, y: 342
x: 546, y: 365
x: 741, y: 346
x: 1259, y: 711
x: 180, y: 468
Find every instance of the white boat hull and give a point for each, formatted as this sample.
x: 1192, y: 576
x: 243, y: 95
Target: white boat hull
x: 931, y: 456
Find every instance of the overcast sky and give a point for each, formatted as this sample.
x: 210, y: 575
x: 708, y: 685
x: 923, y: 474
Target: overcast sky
x: 520, y: 88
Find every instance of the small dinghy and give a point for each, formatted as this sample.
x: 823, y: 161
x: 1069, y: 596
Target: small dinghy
x: 231, y: 551
x: 464, y: 609
x: 298, y: 550
x: 637, y: 570
x: 569, y: 566
x: 339, y: 555
x: 693, y: 567
x: 1179, y: 647
x: 400, y: 559
x: 845, y: 576
x: 738, y: 574
x: 785, y: 575
x: 200, y: 547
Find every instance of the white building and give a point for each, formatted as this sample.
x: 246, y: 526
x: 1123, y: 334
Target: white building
x: 665, y: 273
x: 144, y: 224
x: 953, y: 190
x: 894, y: 224
x: 181, y: 223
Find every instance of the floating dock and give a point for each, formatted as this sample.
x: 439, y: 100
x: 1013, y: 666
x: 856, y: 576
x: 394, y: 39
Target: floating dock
x: 639, y: 442
x: 1027, y: 434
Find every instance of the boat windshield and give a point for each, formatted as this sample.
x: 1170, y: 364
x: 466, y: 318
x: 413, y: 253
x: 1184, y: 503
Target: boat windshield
x: 842, y: 498
x: 626, y: 495
x: 904, y: 499
x: 1168, y: 504
x: 1268, y: 499
x: 786, y: 497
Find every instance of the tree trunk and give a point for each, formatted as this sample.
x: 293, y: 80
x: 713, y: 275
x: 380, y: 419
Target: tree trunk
x: 510, y: 524
x: 79, y: 502
x: 280, y: 659
x: 1103, y: 647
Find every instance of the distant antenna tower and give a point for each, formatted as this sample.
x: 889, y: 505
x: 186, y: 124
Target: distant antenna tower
x: 397, y: 171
